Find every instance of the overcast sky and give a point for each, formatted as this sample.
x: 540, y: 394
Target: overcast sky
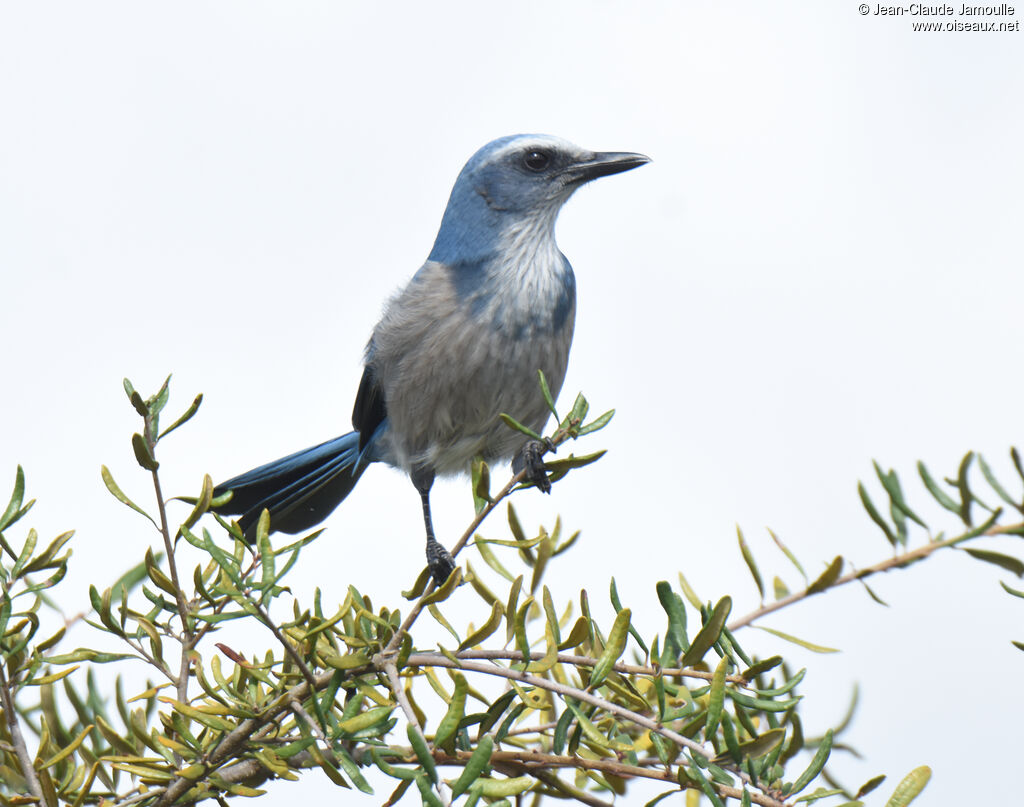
x: 822, y: 266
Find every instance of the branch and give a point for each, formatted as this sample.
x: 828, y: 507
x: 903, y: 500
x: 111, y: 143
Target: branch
x: 438, y: 660
x: 587, y: 661
x: 534, y: 762
x: 895, y: 562
x: 235, y: 741
x: 188, y: 640
x: 559, y: 437
x: 17, y: 738
x: 391, y: 671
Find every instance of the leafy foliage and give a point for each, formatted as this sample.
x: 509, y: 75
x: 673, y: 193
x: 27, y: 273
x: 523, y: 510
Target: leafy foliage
x: 536, y: 694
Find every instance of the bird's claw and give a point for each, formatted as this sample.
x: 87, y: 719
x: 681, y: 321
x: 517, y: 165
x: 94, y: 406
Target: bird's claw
x: 439, y: 561
x: 531, y: 460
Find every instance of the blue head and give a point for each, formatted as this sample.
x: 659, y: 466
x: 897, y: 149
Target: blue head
x: 517, y: 182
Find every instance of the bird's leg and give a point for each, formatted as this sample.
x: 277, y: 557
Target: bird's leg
x: 531, y: 459
x: 439, y: 560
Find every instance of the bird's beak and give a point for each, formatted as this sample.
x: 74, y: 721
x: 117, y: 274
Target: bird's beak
x: 602, y: 164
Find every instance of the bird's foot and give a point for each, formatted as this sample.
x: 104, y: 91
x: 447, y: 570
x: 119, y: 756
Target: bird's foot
x: 531, y: 459
x: 439, y: 561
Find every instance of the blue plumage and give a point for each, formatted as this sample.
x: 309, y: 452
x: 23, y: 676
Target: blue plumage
x: 494, y: 303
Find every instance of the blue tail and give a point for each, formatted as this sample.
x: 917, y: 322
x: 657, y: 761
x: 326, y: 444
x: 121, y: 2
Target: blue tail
x: 299, y: 490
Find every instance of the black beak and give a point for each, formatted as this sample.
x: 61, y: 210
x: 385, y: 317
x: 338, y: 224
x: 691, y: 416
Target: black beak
x: 603, y: 164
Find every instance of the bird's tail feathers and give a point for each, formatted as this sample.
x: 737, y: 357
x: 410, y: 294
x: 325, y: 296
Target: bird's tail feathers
x: 299, y: 490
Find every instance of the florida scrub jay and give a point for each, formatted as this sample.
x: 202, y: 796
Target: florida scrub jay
x: 494, y: 303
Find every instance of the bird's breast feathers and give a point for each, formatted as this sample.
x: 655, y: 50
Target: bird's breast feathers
x: 463, y: 343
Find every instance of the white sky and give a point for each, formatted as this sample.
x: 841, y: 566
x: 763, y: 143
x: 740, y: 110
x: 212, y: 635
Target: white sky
x: 822, y: 266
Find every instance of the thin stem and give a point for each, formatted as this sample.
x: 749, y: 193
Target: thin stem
x: 418, y: 606
x: 234, y: 742
x: 303, y: 715
x: 187, y: 641
x: 291, y: 651
x: 531, y: 761
x: 391, y: 671
x: 559, y: 437
x: 895, y: 562
x: 438, y: 660
x: 586, y: 661
x: 18, y: 740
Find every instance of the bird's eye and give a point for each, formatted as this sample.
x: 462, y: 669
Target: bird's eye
x: 536, y: 160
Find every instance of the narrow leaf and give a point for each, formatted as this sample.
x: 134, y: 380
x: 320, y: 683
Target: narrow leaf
x: 748, y: 558
x: 1011, y: 564
x: 907, y: 790
x: 817, y: 763
x: 709, y: 634
x: 786, y: 551
x: 613, y: 648
x: 118, y: 494
x: 814, y: 648
x: 193, y: 408
x: 828, y: 577
x: 875, y: 515
x: 937, y: 492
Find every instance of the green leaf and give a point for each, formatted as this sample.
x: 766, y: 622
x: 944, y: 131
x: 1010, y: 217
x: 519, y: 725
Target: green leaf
x: 870, y: 785
x: 497, y: 788
x: 419, y: 586
x: 907, y: 790
x: 965, y: 491
x: 709, y: 634
x: 748, y: 558
x: 937, y: 492
x: 13, y: 510
x: 828, y: 577
x: 579, y: 633
x: 444, y: 592
x: 571, y: 462
x: 875, y: 515
x: 716, y: 699
x: 761, y: 666
x: 761, y: 745
x: 481, y: 478
x: 617, y: 605
x: 422, y: 751
x: 26, y: 553
x: 815, y: 648
x: 444, y: 737
x: 891, y: 483
x: 157, y: 402
x: 580, y: 407
x: 871, y: 592
x: 118, y: 494
x: 817, y: 763
x: 613, y: 649
x: 193, y: 408
x: 484, y: 631
x: 479, y: 760
x: 84, y: 654
x: 135, y: 398
x: 512, y: 423
x: 675, y: 634
x: 689, y: 593
x: 597, y: 423
x: 788, y: 554
x: 548, y: 399
x: 143, y: 454
x: 1010, y: 564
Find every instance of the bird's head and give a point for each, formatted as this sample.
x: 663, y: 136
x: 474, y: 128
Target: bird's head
x: 514, y: 179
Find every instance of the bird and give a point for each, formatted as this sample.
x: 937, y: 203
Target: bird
x: 459, y: 345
